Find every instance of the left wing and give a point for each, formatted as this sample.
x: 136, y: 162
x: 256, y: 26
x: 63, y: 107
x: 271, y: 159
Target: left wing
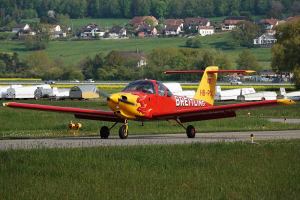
x: 216, y: 112
x: 78, y: 112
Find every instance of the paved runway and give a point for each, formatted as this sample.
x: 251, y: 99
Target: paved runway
x: 78, y: 142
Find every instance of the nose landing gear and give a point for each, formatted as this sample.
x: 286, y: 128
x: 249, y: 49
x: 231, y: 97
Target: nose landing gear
x: 123, y: 131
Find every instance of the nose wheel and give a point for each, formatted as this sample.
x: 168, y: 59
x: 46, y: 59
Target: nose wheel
x: 123, y: 131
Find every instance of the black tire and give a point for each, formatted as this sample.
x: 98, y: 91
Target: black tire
x: 123, y: 132
x: 263, y: 99
x: 190, y: 131
x: 104, y: 132
x: 241, y: 98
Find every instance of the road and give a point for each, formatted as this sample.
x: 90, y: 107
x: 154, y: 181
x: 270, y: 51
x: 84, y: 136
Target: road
x: 79, y: 142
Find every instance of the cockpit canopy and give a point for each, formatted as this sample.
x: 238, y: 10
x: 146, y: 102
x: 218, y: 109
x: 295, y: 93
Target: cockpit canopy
x: 148, y: 87
x: 140, y: 86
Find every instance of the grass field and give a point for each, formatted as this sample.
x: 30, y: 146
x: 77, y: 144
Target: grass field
x: 269, y: 170
x: 71, y: 52
x: 102, y: 22
x: 17, y: 122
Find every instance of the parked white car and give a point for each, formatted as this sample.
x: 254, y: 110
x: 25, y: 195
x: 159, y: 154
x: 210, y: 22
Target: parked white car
x: 235, y: 82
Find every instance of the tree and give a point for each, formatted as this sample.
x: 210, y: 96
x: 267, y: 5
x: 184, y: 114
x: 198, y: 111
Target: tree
x: 285, y: 53
x: 39, y: 63
x: 193, y: 42
x: 276, y: 9
x: 247, y: 60
x: 245, y: 33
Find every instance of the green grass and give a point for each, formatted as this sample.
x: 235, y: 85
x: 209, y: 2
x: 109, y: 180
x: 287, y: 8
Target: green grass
x: 103, y: 22
x: 269, y: 170
x: 19, y: 123
x: 71, y: 52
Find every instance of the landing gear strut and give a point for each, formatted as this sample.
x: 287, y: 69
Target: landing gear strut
x: 123, y: 131
x: 190, y: 130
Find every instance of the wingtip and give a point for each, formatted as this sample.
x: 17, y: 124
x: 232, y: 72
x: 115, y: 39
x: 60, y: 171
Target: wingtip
x: 286, y: 101
x: 250, y: 71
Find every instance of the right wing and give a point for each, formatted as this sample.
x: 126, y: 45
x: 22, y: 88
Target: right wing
x: 217, y: 112
x: 80, y: 113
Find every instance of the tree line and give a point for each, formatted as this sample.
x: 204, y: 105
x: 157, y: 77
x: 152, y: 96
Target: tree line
x: 20, y: 9
x: 114, y: 66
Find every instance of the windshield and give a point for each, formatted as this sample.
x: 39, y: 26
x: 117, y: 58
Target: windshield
x: 140, y: 86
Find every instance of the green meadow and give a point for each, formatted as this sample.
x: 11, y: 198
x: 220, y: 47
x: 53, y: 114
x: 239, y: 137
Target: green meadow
x: 268, y: 170
x: 72, y: 52
x: 30, y: 123
x: 102, y: 22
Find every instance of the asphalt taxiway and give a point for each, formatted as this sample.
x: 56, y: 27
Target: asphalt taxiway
x: 166, y: 139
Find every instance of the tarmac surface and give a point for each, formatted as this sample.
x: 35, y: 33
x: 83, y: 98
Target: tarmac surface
x: 167, y: 139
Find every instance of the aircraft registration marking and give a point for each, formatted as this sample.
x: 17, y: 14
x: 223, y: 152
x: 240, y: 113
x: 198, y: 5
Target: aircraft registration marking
x: 185, y: 101
x: 206, y: 93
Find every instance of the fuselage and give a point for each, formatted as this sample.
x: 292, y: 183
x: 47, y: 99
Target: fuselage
x: 145, y: 99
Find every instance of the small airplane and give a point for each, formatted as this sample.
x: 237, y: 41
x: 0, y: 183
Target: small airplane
x: 148, y: 100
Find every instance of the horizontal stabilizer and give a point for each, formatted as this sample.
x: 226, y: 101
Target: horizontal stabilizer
x: 208, y: 71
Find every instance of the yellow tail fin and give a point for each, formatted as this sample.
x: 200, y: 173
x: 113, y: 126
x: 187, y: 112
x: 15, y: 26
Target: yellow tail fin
x: 207, y: 86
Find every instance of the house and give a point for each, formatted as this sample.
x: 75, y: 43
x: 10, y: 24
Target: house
x: 20, y: 27
x: 293, y: 19
x: 56, y: 32
x: 231, y: 23
x: 23, y: 33
x: 195, y: 23
x: 173, y: 26
x: 140, y: 20
x: 206, y: 30
x: 146, y: 30
x: 117, y: 32
x: 265, y: 40
x: 268, y: 24
x: 91, y: 31
x: 133, y: 56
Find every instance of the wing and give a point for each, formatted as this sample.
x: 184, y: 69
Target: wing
x: 216, y: 112
x: 78, y: 112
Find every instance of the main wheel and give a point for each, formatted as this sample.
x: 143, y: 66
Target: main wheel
x: 104, y: 132
x: 123, y: 131
x: 190, y: 131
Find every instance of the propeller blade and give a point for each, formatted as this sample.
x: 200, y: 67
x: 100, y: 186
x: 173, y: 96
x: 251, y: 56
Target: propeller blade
x: 103, y: 94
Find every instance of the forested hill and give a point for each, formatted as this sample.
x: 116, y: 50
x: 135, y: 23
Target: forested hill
x: 18, y: 9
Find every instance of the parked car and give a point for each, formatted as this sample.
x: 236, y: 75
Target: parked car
x: 50, y: 82
x: 90, y: 80
x: 235, y: 82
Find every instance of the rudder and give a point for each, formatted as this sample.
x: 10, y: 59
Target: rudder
x: 207, y: 86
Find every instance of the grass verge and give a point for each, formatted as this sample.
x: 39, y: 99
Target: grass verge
x: 269, y: 170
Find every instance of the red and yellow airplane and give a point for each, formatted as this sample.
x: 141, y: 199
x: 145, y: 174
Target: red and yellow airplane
x: 147, y: 100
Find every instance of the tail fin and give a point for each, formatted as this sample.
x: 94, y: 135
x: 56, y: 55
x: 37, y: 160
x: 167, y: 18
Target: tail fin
x: 207, y: 86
